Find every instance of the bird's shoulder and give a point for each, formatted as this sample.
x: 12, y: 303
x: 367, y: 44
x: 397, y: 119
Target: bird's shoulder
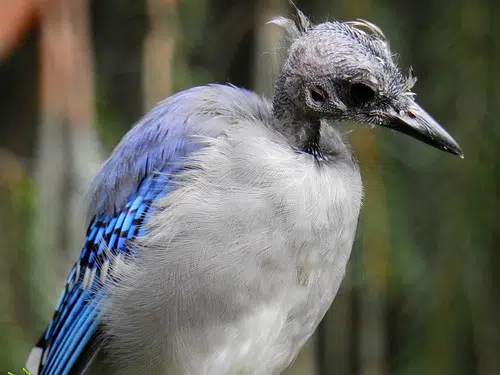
x: 168, y: 133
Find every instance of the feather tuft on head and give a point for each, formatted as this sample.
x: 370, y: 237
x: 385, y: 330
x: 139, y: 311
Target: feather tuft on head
x: 296, y: 27
x: 410, y: 81
x: 367, y: 28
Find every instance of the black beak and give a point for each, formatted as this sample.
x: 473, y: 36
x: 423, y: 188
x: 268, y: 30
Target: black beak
x: 418, y: 124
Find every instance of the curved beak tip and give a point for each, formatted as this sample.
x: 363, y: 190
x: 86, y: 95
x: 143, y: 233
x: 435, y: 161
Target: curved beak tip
x: 459, y: 153
x: 448, y: 144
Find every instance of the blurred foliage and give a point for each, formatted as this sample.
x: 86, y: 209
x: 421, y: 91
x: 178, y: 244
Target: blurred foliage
x: 420, y: 296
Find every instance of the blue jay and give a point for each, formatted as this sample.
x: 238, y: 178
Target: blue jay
x: 222, y: 223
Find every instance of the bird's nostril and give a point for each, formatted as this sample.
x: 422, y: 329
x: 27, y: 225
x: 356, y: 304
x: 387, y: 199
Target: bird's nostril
x: 411, y: 114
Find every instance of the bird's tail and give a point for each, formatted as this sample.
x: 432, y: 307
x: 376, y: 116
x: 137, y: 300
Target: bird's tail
x: 85, y: 359
x: 35, y: 356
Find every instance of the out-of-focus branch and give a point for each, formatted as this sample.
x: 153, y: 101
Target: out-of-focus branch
x: 16, y: 17
x: 159, y: 49
x: 372, y: 356
x: 269, y: 39
x: 68, y: 150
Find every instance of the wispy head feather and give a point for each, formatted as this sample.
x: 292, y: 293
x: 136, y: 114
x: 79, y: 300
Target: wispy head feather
x: 363, y: 26
x: 410, y: 82
x: 295, y: 27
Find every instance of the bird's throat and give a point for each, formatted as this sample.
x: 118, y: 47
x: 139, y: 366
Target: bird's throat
x: 301, y: 131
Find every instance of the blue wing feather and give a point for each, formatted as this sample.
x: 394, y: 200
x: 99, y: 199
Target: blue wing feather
x: 138, y: 172
x: 77, y: 316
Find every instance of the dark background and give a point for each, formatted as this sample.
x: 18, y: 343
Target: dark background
x: 420, y: 296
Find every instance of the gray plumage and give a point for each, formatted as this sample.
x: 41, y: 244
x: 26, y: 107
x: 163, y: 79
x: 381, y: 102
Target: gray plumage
x: 246, y: 246
x: 242, y: 260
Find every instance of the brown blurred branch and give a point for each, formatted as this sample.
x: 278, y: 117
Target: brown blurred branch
x: 68, y: 150
x: 159, y: 49
x: 16, y: 18
x: 268, y: 39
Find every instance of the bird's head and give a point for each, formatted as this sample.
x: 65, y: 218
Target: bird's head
x: 346, y: 71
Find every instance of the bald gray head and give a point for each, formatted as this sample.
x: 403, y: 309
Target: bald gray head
x: 346, y: 71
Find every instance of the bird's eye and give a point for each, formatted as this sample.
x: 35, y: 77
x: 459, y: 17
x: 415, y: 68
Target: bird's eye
x: 361, y: 93
x: 318, y: 94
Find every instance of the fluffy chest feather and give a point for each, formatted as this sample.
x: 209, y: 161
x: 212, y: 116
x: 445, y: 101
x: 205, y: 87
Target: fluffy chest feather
x: 241, y: 261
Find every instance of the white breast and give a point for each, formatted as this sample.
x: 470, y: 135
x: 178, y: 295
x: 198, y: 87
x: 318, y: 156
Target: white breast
x: 242, y: 261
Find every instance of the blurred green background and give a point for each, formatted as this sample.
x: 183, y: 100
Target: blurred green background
x: 420, y: 296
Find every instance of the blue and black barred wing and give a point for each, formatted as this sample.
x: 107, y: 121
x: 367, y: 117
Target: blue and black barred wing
x: 71, y: 339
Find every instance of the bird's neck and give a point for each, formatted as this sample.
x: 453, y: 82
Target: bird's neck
x: 303, y: 132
